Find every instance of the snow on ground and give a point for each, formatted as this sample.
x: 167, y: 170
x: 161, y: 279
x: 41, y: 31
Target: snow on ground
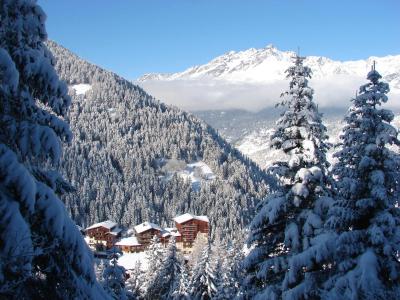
x: 256, y: 142
x: 112, y: 112
x: 256, y: 145
x: 129, y: 260
x: 81, y: 88
x: 396, y: 122
x: 195, y: 172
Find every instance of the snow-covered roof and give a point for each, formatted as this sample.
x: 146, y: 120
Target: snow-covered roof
x: 87, y: 239
x: 165, y: 233
x: 107, y: 224
x: 187, y: 217
x: 129, y: 241
x: 170, y: 232
x: 202, y: 218
x: 146, y: 226
x: 115, y: 231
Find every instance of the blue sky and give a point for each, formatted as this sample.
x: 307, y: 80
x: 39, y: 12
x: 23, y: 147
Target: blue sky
x: 132, y: 37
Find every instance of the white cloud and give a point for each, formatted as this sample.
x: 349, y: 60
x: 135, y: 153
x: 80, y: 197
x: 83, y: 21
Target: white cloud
x: 335, y: 91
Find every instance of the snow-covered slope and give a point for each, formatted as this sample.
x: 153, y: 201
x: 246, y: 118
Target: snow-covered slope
x: 256, y: 145
x: 253, y: 79
x: 81, y: 89
x: 196, y: 172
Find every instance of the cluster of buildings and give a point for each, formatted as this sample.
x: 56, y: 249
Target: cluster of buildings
x: 188, y: 227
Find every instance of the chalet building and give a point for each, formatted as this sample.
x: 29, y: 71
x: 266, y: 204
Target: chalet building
x: 103, y: 234
x: 167, y: 233
x: 130, y: 245
x: 190, y: 226
x: 146, y: 231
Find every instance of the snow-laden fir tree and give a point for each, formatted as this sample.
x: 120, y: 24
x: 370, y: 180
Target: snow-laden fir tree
x: 42, y: 253
x: 231, y: 271
x: 167, y: 279
x: 203, y: 280
x: 181, y: 292
x: 99, y: 267
x: 198, y: 246
x: 134, y: 284
x: 290, y: 217
x: 366, y: 214
x: 114, y: 276
x: 154, y: 257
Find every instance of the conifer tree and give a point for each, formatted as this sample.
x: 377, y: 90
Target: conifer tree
x: 154, y: 256
x: 182, y: 290
x: 203, y: 281
x: 291, y: 216
x: 99, y: 268
x: 366, y: 213
x: 231, y: 271
x: 114, y: 277
x: 42, y: 253
x: 167, y: 279
x: 134, y: 284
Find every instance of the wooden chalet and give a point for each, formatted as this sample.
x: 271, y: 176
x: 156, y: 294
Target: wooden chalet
x: 189, y: 226
x: 167, y: 233
x: 146, y: 231
x: 103, y: 234
x: 130, y: 245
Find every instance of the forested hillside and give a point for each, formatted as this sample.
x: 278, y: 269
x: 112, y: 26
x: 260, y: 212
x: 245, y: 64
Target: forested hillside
x: 129, y: 153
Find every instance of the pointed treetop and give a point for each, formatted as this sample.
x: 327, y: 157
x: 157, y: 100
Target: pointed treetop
x: 373, y: 75
x: 297, y: 59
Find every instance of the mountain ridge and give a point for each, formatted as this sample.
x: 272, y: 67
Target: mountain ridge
x: 230, y: 65
x: 254, y: 79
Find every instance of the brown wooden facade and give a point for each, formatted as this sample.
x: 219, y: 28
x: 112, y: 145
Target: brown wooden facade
x: 145, y: 237
x: 190, y: 229
x: 102, y: 234
x: 132, y: 248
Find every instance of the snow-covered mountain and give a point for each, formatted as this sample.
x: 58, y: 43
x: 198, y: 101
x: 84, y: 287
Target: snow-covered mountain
x: 253, y: 79
x: 269, y: 64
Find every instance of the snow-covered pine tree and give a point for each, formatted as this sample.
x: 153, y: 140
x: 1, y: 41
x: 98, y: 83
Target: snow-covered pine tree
x: 99, y: 267
x: 290, y: 217
x: 231, y: 271
x: 366, y: 213
x: 203, y: 281
x: 154, y: 256
x: 199, y: 244
x: 114, y: 277
x: 167, y: 279
x: 135, y: 282
x: 42, y: 253
x: 182, y: 290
